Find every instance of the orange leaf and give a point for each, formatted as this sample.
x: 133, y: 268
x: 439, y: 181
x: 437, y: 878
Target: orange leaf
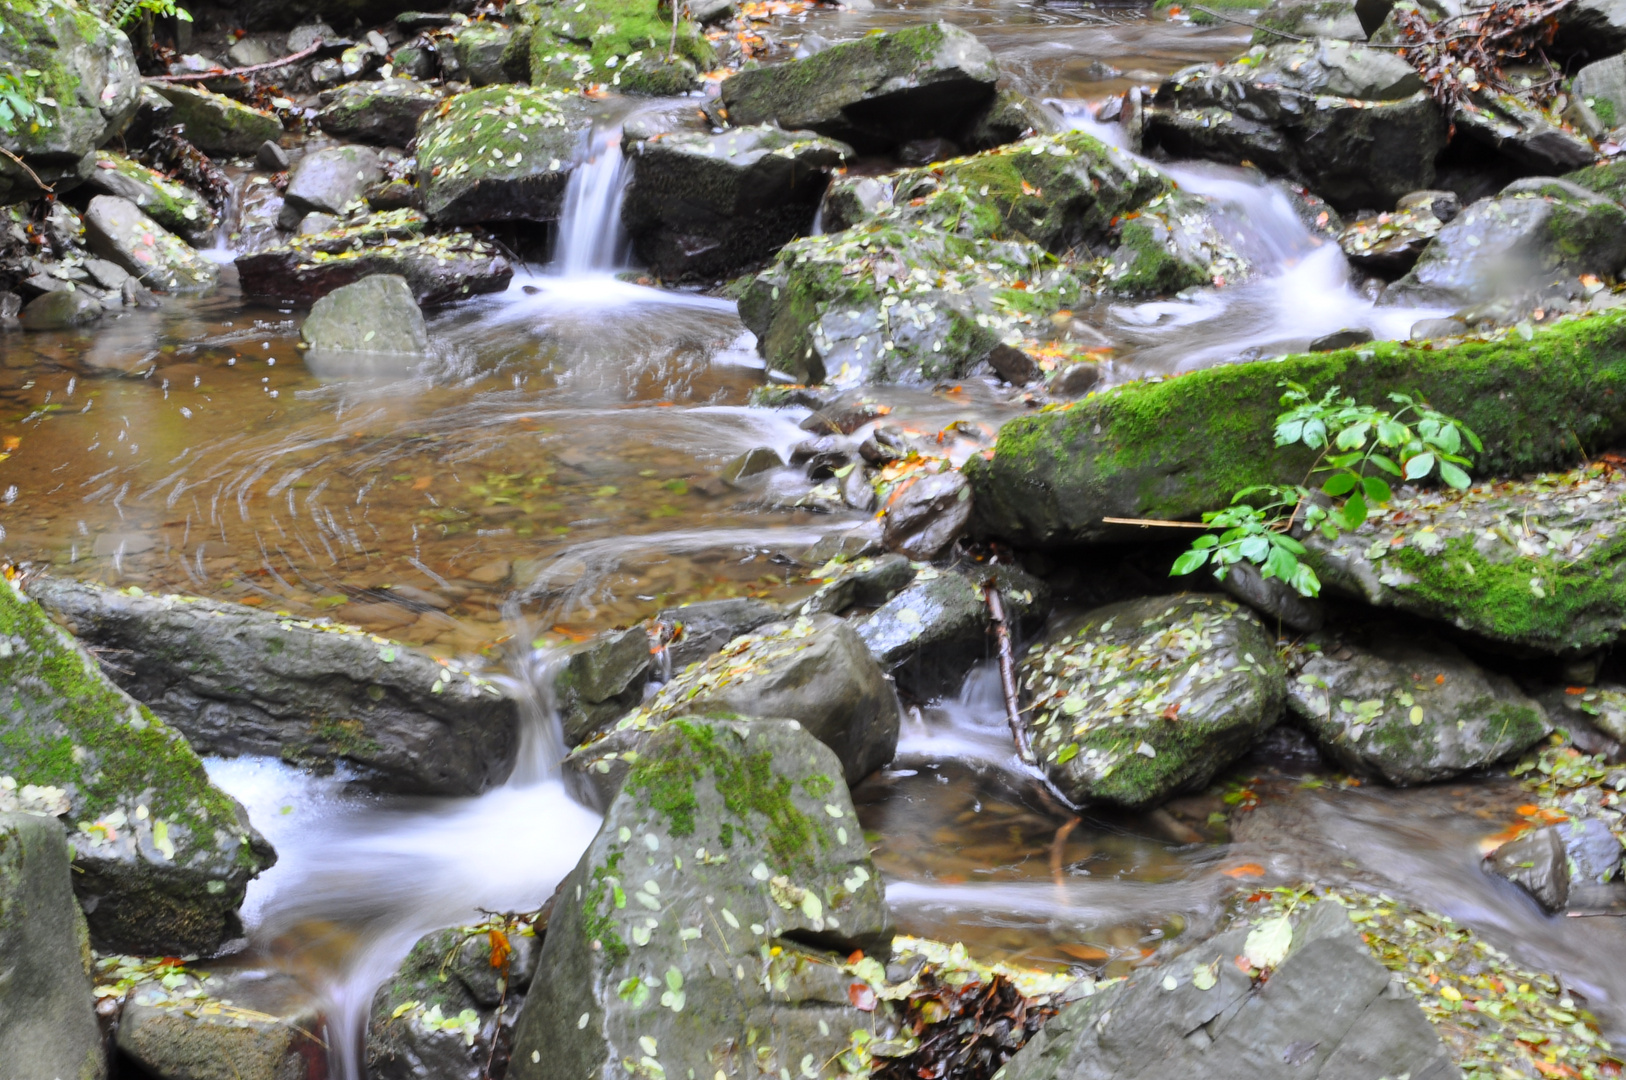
x: 1085, y: 952
x: 862, y: 997
x: 1572, y: 690
x: 500, y: 949
x: 422, y: 483
x: 1247, y: 869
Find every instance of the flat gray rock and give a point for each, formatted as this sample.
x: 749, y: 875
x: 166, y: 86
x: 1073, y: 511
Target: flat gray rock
x: 374, y: 315
x: 118, y: 231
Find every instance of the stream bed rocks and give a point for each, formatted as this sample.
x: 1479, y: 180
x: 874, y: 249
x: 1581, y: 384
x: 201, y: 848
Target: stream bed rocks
x: 684, y: 937
x: 239, y: 681
x: 162, y: 857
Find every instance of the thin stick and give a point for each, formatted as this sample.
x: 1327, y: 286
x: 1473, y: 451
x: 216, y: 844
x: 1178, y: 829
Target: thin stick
x: 1156, y: 521
x: 23, y: 165
x: 293, y: 58
x: 1007, y: 668
x: 1058, y: 846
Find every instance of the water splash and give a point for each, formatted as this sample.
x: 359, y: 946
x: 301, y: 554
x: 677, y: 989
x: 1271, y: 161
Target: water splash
x: 591, y: 240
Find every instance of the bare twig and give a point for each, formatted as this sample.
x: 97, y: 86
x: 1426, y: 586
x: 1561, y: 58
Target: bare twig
x: 269, y: 64
x: 1155, y: 521
x: 23, y: 165
x: 1007, y: 668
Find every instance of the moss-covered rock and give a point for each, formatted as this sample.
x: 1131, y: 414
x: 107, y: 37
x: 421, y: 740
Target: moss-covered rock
x: 1607, y: 178
x: 385, y: 113
x: 224, y: 1025
x: 80, y: 74
x: 1310, y: 18
x: 1389, y: 245
x: 1528, y: 246
x: 709, y: 206
x: 458, y: 991
x: 440, y: 268
x: 1525, y: 137
x: 484, y: 53
x: 118, y: 231
x: 502, y: 153
x: 940, y: 265
x: 1534, y: 564
x: 1176, y: 447
x: 679, y: 941
x: 1138, y: 701
x: 1408, y: 707
x: 172, y: 205
x: 1351, y: 123
x: 593, y: 41
x: 50, y: 1016
x: 162, y: 856
x: 217, y: 124
x: 874, y: 93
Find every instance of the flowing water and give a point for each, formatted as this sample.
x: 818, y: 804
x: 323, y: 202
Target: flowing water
x: 551, y: 471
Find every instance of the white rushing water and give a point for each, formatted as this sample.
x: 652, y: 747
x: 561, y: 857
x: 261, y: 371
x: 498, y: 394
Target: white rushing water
x: 591, y: 240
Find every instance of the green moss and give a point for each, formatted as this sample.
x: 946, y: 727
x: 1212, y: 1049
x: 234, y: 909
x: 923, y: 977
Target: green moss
x: 590, y: 41
x: 1147, y: 266
x: 1174, y: 448
x: 1607, y: 178
x: 598, y: 921
x: 760, y: 800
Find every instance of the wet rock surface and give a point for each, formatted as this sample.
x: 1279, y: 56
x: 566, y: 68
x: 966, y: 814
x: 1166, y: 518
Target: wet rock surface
x: 708, y: 206
x: 249, y: 1025
x: 375, y: 315
x: 602, y: 682
x: 329, y: 181
x: 1409, y: 707
x: 473, y: 167
x: 384, y: 113
x: 239, y: 681
x: 217, y: 124
x: 162, y: 857
x: 1136, y: 701
x: 118, y: 231
x: 684, y: 926
x: 50, y: 1027
x: 171, y: 205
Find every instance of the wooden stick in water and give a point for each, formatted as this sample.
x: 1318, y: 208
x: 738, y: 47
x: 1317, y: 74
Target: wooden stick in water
x: 1007, y: 667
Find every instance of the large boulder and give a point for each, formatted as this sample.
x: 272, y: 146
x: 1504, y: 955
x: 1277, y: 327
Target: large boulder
x: 502, y: 153
x: 80, y: 74
x: 376, y: 315
x: 1526, y: 247
x: 1409, y: 707
x: 929, y: 635
x: 619, y: 43
x: 686, y: 933
x: 1141, y: 700
x: 1176, y: 448
x: 816, y: 671
x: 1528, y: 140
x: 217, y: 124
x: 385, y: 113
x: 118, y: 231
x: 1322, y: 1007
x: 173, y: 206
x: 236, y: 680
x: 1602, y: 87
x: 50, y: 1028
x: 874, y: 93
x: 1311, y: 19
x: 707, y: 206
x: 457, y: 992
x: 601, y: 681
x: 252, y: 1024
x: 329, y: 181
x: 162, y: 857
x: 1528, y: 565
x: 484, y: 53
x: 440, y: 268
x: 852, y: 306
x: 1352, y: 123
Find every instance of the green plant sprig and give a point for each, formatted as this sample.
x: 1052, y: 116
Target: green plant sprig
x: 1413, y: 443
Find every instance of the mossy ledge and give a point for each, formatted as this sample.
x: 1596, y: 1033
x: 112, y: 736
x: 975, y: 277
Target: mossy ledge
x: 162, y: 856
x: 1175, y: 448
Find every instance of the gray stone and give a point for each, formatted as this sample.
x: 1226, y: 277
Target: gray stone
x: 61, y: 310
x: 446, y: 990
x: 1074, y: 380
x: 1388, y: 245
x: 1351, y: 123
x: 683, y: 932
x: 229, y: 1025
x: 703, y: 628
x: 384, y: 113
x: 1601, y: 85
x: 330, y: 181
x: 107, y: 275
x: 216, y: 124
x: 118, y: 231
x: 374, y: 315
x: 161, y: 856
x: 1328, y: 1011
x: 1106, y: 728
x: 1312, y: 19
x: 706, y: 12
x: 1274, y: 600
x: 929, y: 636
x: 10, y: 305
x: 927, y: 515
x: 709, y: 206
x: 1409, y: 707
x: 863, y: 582
x: 481, y: 54
x: 1603, y: 706
x: 1591, y: 28
x: 473, y: 168
x: 874, y: 93
x: 1593, y: 851
x: 271, y: 157
x: 50, y: 1028
x: 314, y: 224
x: 656, y: 76
x: 1010, y: 116
x: 88, y: 71
x: 757, y: 460
x: 816, y: 671
x: 1521, y: 134
x: 1538, y: 864
x: 602, y: 681
x: 249, y: 53
x: 239, y: 681
x: 172, y: 205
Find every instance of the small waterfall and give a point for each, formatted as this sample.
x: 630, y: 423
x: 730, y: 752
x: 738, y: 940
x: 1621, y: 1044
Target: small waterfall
x: 590, y: 237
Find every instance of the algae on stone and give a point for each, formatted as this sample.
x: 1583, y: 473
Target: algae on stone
x: 162, y: 856
x: 594, y: 41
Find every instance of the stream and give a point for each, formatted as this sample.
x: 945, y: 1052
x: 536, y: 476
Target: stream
x: 551, y: 472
